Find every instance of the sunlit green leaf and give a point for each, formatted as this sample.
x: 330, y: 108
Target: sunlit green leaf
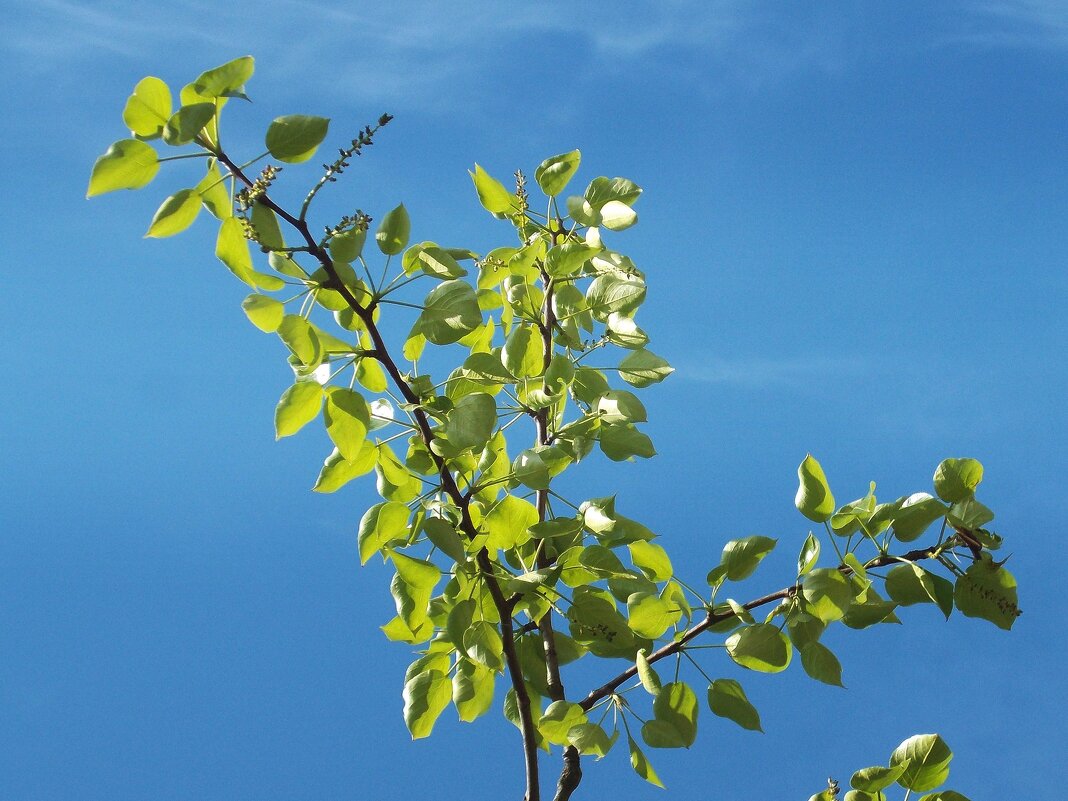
x: 451, y: 311
x: 555, y: 172
x: 674, y: 723
x: 148, y: 108
x: 227, y: 79
x: 821, y: 664
x: 264, y: 312
x: 338, y: 471
x: 988, y: 591
x: 760, y: 647
x: 298, y: 406
x: 727, y: 699
x: 295, y: 137
x: 814, y: 499
x: 643, y: 367
x: 425, y: 698
x: 175, y: 215
x: 641, y: 765
x: 394, y: 231
x: 828, y: 593
x: 741, y: 557
x: 492, y: 194
x: 187, y: 122
x: 956, y: 479
x: 472, y: 690
x: 928, y: 759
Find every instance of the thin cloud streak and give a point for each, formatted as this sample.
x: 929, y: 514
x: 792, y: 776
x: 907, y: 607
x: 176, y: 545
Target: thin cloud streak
x: 758, y: 373
x: 1014, y: 24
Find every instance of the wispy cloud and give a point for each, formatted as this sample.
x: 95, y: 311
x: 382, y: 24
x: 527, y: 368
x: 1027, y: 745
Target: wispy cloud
x: 761, y: 373
x: 1014, y: 23
x: 428, y: 52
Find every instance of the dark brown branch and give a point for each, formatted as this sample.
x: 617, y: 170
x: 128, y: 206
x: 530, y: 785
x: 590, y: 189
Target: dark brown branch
x: 718, y: 617
x: 448, y: 482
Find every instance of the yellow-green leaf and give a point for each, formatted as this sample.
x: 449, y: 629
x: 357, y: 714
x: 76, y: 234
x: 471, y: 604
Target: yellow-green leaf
x: 148, y: 108
x: 127, y: 164
x: 175, y: 215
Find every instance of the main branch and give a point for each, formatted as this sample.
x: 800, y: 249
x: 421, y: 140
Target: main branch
x: 448, y: 483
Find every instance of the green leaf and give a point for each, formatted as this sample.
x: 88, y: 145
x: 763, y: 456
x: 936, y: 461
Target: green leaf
x: 264, y: 312
x: 617, y: 216
x: 187, y: 122
x: 928, y: 759
x: 621, y: 441
x: 175, y: 215
x: 727, y: 699
x: 956, y: 479
x: 650, y: 616
x: 641, y: 765
x: 231, y: 248
x: 347, y: 420
x: 380, y: 525
x: 265, y: 225
x: 566, y: 259
x: 651, y: 559
x: 148, y: 108
x: 300, y: 337
x: 814, y: 499
x: 910, y: 584
x: 591, y: 740
x: 531, y: 471
x: 445, y: 537
x: 298, y: 406
x: 412, y: 587
x: 127, y: 164
x: 522, y: 354
x: 482, y: 644
x: 469, y: 425
x: 649, y: 678
x: 472, y: 690
x: 597, y: 624
x: 613, y: 294
x: 555, y: 172
x: 642, y: 368
x: 828, y: 594
x: 810, y: 554
x: 347, y: 246
x: 451, y: 312
x: 674, y: 723
x: 295, y: 137
x: 604, y: 190
x: 338, y: 471
x: 226, y: 80
x: 432, y: 260
x: 213, y: 192
x: 620, y: 406
x: 988, y: 591
x: 760, y: 647
x: 877, y: 777
x: 425, y: 698
x: 491, y: 193
x: 915, y: 515
x: 559, y: 718
x: 508, y: 522
x: 741, y: 557
x: 394, y: 231
x: 969, y: 514
x: 943, y: 795
x: 821, y: 664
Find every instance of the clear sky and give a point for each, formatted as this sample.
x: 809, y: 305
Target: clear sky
x: 854, y: 231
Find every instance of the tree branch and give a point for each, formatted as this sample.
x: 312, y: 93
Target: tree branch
x: 382, y: 355
x: 718, y: 617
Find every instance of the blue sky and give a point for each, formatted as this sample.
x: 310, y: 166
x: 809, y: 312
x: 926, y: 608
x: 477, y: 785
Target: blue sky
x: 854, y: 231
